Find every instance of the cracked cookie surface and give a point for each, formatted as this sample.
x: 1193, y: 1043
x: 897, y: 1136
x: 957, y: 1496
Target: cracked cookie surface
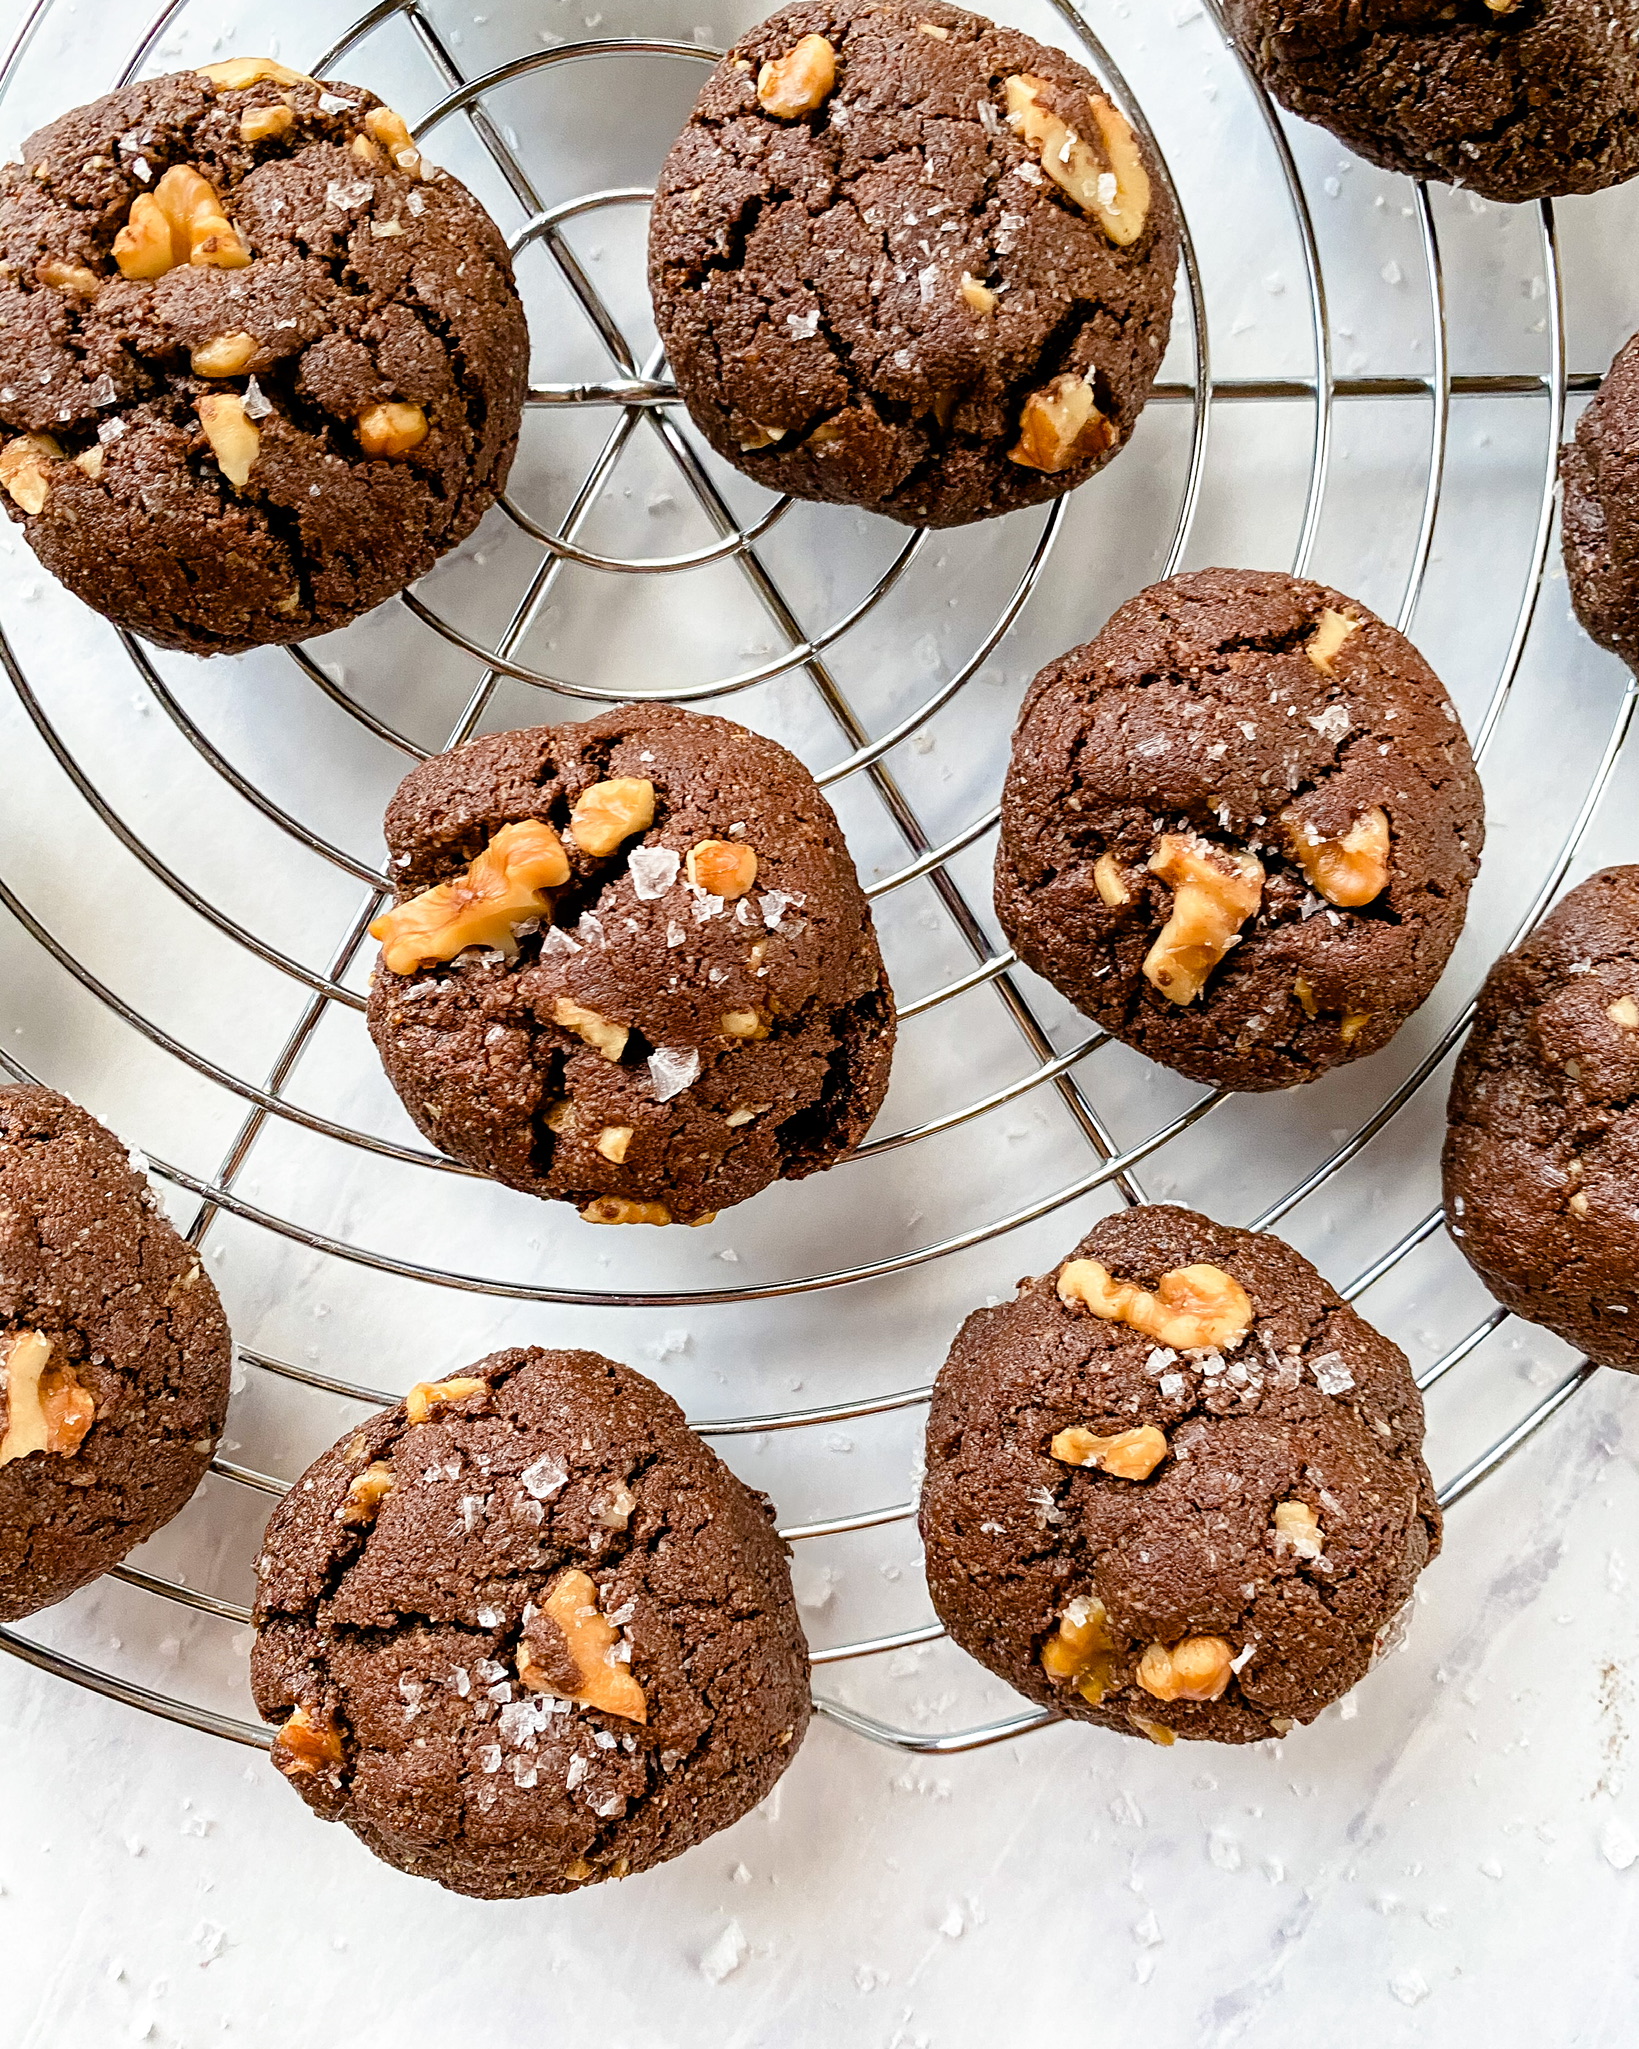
x: 1599, y: 468
x: 395, y: 1616
x: 1542, y: 1147
x: 368, y: 360
x: 1285, y: 1523
x: 859, y: 301
x: 1254, y: 718
x: 138, y: 1346
x: 1515, y: 99
x: 650, y: 1041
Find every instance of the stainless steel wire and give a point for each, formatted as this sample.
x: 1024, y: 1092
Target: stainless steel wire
x: 645, y: 403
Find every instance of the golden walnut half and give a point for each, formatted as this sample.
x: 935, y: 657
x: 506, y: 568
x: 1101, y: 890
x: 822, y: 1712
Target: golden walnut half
x: 180, y: 221
x: 44, y: 1406
x: 1214, y: 893
x: 1199, y: 1668
x: 1193, y: 1308
x: 1128, y: 1455
x: 610, y: 812
x: 502, y: 887
x: 795, y: 84
x: 574, y: 1657
x: 428, y: 1396
x: 1114, y: 191
x: 1081, y: 1650
x: 308, y: 1744
x: 23, y: 469
x: 1348, y: 871
x: 725, y: 868
x: 1061, y: 426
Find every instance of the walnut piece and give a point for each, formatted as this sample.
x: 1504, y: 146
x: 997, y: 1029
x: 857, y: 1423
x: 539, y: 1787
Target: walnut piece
x: 505, y: 885
x: 1214, y: 893
x: 615, y: 1209
x: 610, y: 812
x: 90, y: 460
x: 368, y: 1491
x: 743, y: 1024
x: 1115, y: 193
x: 180, y: 221
x: 1297, y: 1529
x: 392, y: 131
x: 226, y: 356
x: 1061, y: 426
x: 234, y: 436
x: 1199, y: 1668
x: 798, y: 82
x: 1128, y: 1455
x: 233, y: 74
x: 264, y: 124
x: 1111, y: 882
x: 590, y: 1640
x: 612, y: 1142
x: 23, y: 471
x: 746, y: 1113
x: 308, y: 1744
x: 1081, y: 1650
x: 591, y: 1025
x: 392, y: 429
x: 761, y: 437
x: 977, y: 293
x: 68, y: 277
x: 1349, y: 871
x: 725, y: 868
x: 1624, y: 1012
x: 1194, y: 1308
x: 429, y: 1395
x: 1328, y: 637
x: 45, y: 1407
x: 1353, y: 1025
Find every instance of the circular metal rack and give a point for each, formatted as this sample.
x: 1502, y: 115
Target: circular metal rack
x: 636, y: 397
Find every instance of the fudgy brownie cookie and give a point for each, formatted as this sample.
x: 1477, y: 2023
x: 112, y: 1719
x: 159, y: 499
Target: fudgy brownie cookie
x: 1176, y: 1487
x: 114, y: 1354
x: 1600, y: 517
x: 1542, y: 1150
x: 260, y: 366
x: 1516, y: 99
x: 524, y: 1631
x: 632, y: 967
x: 1239, y: 828
x: 906, y: 259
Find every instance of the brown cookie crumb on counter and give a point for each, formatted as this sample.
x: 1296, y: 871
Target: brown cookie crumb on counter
x: 525, y: 1631
x: 1239, y: 828
x: 1176, y: 1487
x: 114, y: 1354
x: 260, y: 364
x: 906, y: 259
x: 1542, y: 1147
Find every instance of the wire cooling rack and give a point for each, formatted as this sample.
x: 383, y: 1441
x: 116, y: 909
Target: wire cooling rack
x: 869, y: 648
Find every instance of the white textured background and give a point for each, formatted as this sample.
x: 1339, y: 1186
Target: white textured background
x: 1453, y: 1855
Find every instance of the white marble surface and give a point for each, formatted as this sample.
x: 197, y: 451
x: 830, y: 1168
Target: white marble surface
x: 1451, y: 1856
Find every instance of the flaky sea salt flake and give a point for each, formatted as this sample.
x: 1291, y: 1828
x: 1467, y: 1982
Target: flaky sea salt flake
x: 672, y: 1069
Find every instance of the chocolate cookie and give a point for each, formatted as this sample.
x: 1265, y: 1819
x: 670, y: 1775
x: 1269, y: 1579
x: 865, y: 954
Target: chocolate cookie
x: 632, y: 967
x: 1239, y: 828
x: 906, y: 259
x: 1516, y: 99
x: 1542, y: 1151
x: 1177, y: 1486
x: 524, y: 1631
x: 114, y: 1358
x: 1600, y: 514
x: 260, y: 366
